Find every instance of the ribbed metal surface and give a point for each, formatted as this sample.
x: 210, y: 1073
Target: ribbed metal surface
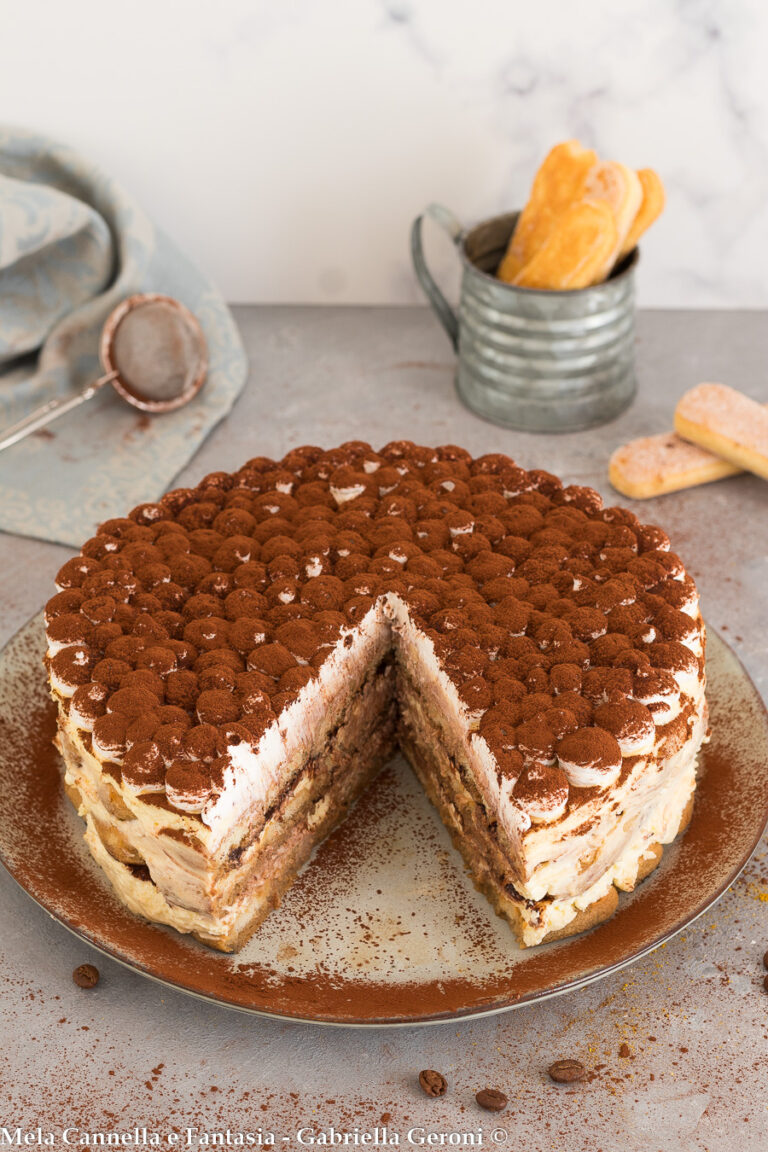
x: 535, y: 360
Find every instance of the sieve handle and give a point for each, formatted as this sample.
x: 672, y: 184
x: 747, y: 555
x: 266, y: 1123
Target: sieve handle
x: 46, y: 413
x: 443, y: 310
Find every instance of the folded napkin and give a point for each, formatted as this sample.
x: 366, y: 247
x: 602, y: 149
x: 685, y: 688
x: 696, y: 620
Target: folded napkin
x: 73, y: 244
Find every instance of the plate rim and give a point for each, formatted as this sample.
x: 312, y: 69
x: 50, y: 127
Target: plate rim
x: 450, y: 1016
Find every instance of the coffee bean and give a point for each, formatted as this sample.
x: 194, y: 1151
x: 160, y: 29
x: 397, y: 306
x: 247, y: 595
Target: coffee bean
x: 765, y: 960
x: 491, y: 1099
x: 432, y: 1082
x: 86, y: 976
x: 566, y: 1071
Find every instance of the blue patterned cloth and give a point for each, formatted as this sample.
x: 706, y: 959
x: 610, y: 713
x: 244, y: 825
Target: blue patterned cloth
x: 73, y: 244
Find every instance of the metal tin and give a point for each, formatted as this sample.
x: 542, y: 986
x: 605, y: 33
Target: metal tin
x: 535, y: 360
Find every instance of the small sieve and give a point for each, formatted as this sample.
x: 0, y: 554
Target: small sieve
x: 153, y: 353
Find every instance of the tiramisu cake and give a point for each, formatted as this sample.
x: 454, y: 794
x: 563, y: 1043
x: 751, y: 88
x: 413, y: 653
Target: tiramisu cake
x: 234, y: 664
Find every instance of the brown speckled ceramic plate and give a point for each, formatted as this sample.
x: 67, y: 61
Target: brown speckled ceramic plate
x: 383, y: 926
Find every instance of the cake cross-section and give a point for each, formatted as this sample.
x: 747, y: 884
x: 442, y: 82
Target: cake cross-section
x: 234, y: 664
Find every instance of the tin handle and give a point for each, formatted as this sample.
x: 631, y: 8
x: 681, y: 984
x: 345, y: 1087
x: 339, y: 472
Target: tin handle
x: 448, y: 222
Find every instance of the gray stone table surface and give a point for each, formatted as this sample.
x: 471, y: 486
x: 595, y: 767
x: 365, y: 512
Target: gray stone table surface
x: 693, y: 1014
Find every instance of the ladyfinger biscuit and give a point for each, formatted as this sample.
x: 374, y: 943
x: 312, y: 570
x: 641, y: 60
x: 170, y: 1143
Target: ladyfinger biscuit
x: 655, y: 465
x: 650, y: 209
x: 727, y: 423
x: 619, y: 186
x: 576, y: 250
x: 558, y: 183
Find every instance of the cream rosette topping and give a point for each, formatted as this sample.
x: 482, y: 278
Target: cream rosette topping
x: 590, y: 758
x: 542, y: 793
x: 631, y: 723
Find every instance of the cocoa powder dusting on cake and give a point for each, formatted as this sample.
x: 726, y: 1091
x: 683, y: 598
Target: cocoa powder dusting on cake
x: 534, y: 595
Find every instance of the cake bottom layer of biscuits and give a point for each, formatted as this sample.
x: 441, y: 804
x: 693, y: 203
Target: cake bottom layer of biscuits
x: 166, y: 877
x: 636, y: 840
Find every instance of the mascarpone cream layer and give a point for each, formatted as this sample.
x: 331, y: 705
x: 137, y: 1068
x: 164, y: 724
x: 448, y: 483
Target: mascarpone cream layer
x: 659, y: 824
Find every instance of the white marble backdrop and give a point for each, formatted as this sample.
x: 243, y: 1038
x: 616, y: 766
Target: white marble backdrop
x: 287, y: 144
